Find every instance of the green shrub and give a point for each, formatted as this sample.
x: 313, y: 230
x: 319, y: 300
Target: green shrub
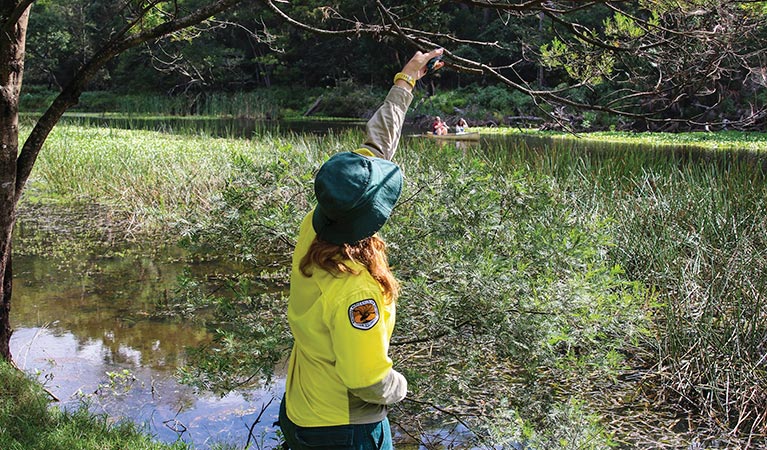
x: 34, y: 99
x: 498, y: 99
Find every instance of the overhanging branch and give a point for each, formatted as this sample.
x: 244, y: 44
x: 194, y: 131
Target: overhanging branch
x: 71, y: 93
x: 321, y: 31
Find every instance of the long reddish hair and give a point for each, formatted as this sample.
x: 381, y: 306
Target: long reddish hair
x: 370, y: 252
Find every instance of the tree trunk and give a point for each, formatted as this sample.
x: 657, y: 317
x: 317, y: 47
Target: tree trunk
x: 13, y: 28
x: 5, y: 310
x: 15, y: 166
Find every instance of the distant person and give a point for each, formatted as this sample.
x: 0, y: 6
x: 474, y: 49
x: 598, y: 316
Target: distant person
x: 461, y: 126
x: 439, y: 127
x: 343, y: 294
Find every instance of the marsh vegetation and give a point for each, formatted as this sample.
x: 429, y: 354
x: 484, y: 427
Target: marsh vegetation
x: 554, y: 297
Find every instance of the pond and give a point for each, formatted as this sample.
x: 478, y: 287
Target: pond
x: 86, y: 327
x: 85, y: 323
x: 90, y: 324
x: 246, y: 128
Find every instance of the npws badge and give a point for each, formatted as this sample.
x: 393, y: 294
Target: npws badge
x: 364, y: 314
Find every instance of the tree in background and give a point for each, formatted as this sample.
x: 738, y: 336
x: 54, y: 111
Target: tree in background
x: 661, y: 65
x: 130, y: 24
x: 667, y: 65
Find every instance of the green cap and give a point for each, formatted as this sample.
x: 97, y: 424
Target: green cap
x: 355, y: 196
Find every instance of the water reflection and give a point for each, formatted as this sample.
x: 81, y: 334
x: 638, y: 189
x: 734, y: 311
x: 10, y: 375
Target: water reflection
x: 87, y: 328
x: 234, y: 127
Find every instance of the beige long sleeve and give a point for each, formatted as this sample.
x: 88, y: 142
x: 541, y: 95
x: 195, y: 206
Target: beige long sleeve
x: 384, y: 129
x: 391, y: 389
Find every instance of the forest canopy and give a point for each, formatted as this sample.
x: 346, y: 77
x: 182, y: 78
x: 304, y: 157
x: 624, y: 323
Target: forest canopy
x: 659, y: 64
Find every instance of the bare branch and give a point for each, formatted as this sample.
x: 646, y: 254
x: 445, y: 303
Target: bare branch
x: 450, y: 38
x: 139, y: 17
x: 524, y: 6
x: 321, y: 31
x: 574, y: 28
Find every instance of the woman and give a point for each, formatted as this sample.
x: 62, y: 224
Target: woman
x: 439, y: 127
x: 342, y: 293
x: 461, y: 126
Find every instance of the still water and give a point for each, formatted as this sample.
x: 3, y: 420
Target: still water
x: 87, y: 327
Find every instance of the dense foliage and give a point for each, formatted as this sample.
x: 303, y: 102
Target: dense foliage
x: 660, y: 64
x: 554, y: 296
x: 530, y: 280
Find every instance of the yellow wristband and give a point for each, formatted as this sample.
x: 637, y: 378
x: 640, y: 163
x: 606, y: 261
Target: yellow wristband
x: 405, y: 77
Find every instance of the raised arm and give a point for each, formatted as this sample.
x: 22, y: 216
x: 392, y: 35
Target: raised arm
x: 385, y: 127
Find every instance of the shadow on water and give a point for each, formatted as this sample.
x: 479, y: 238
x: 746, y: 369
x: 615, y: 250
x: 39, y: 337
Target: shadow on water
x: 86, y: 322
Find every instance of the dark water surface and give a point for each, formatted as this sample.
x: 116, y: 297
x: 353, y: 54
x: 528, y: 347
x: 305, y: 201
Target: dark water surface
x: 89, y: 329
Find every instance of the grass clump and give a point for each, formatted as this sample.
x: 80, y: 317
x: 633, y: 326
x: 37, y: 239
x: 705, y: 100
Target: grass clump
x: 154, y: 178
x: 720, y: 140
x: 27, y: 422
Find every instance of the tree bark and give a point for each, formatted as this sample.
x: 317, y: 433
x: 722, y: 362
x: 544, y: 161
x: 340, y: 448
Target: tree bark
x: 5, y: 310
x: 13, y: 28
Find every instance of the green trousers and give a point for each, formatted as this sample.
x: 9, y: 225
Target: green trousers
x: 371, y: 436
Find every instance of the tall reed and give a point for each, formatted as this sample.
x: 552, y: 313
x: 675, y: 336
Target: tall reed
x: 692, y: 226
x: 263, y: 104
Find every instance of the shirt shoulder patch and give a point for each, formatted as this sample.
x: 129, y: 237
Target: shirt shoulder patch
x: 364, y: 314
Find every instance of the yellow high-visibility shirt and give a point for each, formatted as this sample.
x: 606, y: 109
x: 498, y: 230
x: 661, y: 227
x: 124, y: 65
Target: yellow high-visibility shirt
x: 339, y: 371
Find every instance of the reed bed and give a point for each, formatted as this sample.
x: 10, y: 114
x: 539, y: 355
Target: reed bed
x: 691, y: 227
x: 551, y: 293
x: 146, y: 174
x: 154, y: 177
x: 720, y: 140
x: 263, y: 104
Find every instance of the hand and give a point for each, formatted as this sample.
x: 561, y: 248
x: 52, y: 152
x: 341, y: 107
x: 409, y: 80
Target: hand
x: 416, y: 67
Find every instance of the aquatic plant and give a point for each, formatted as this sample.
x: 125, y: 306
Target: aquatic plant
x: 687, y: 224
x: 538, y: 281
x: 28, y: 422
